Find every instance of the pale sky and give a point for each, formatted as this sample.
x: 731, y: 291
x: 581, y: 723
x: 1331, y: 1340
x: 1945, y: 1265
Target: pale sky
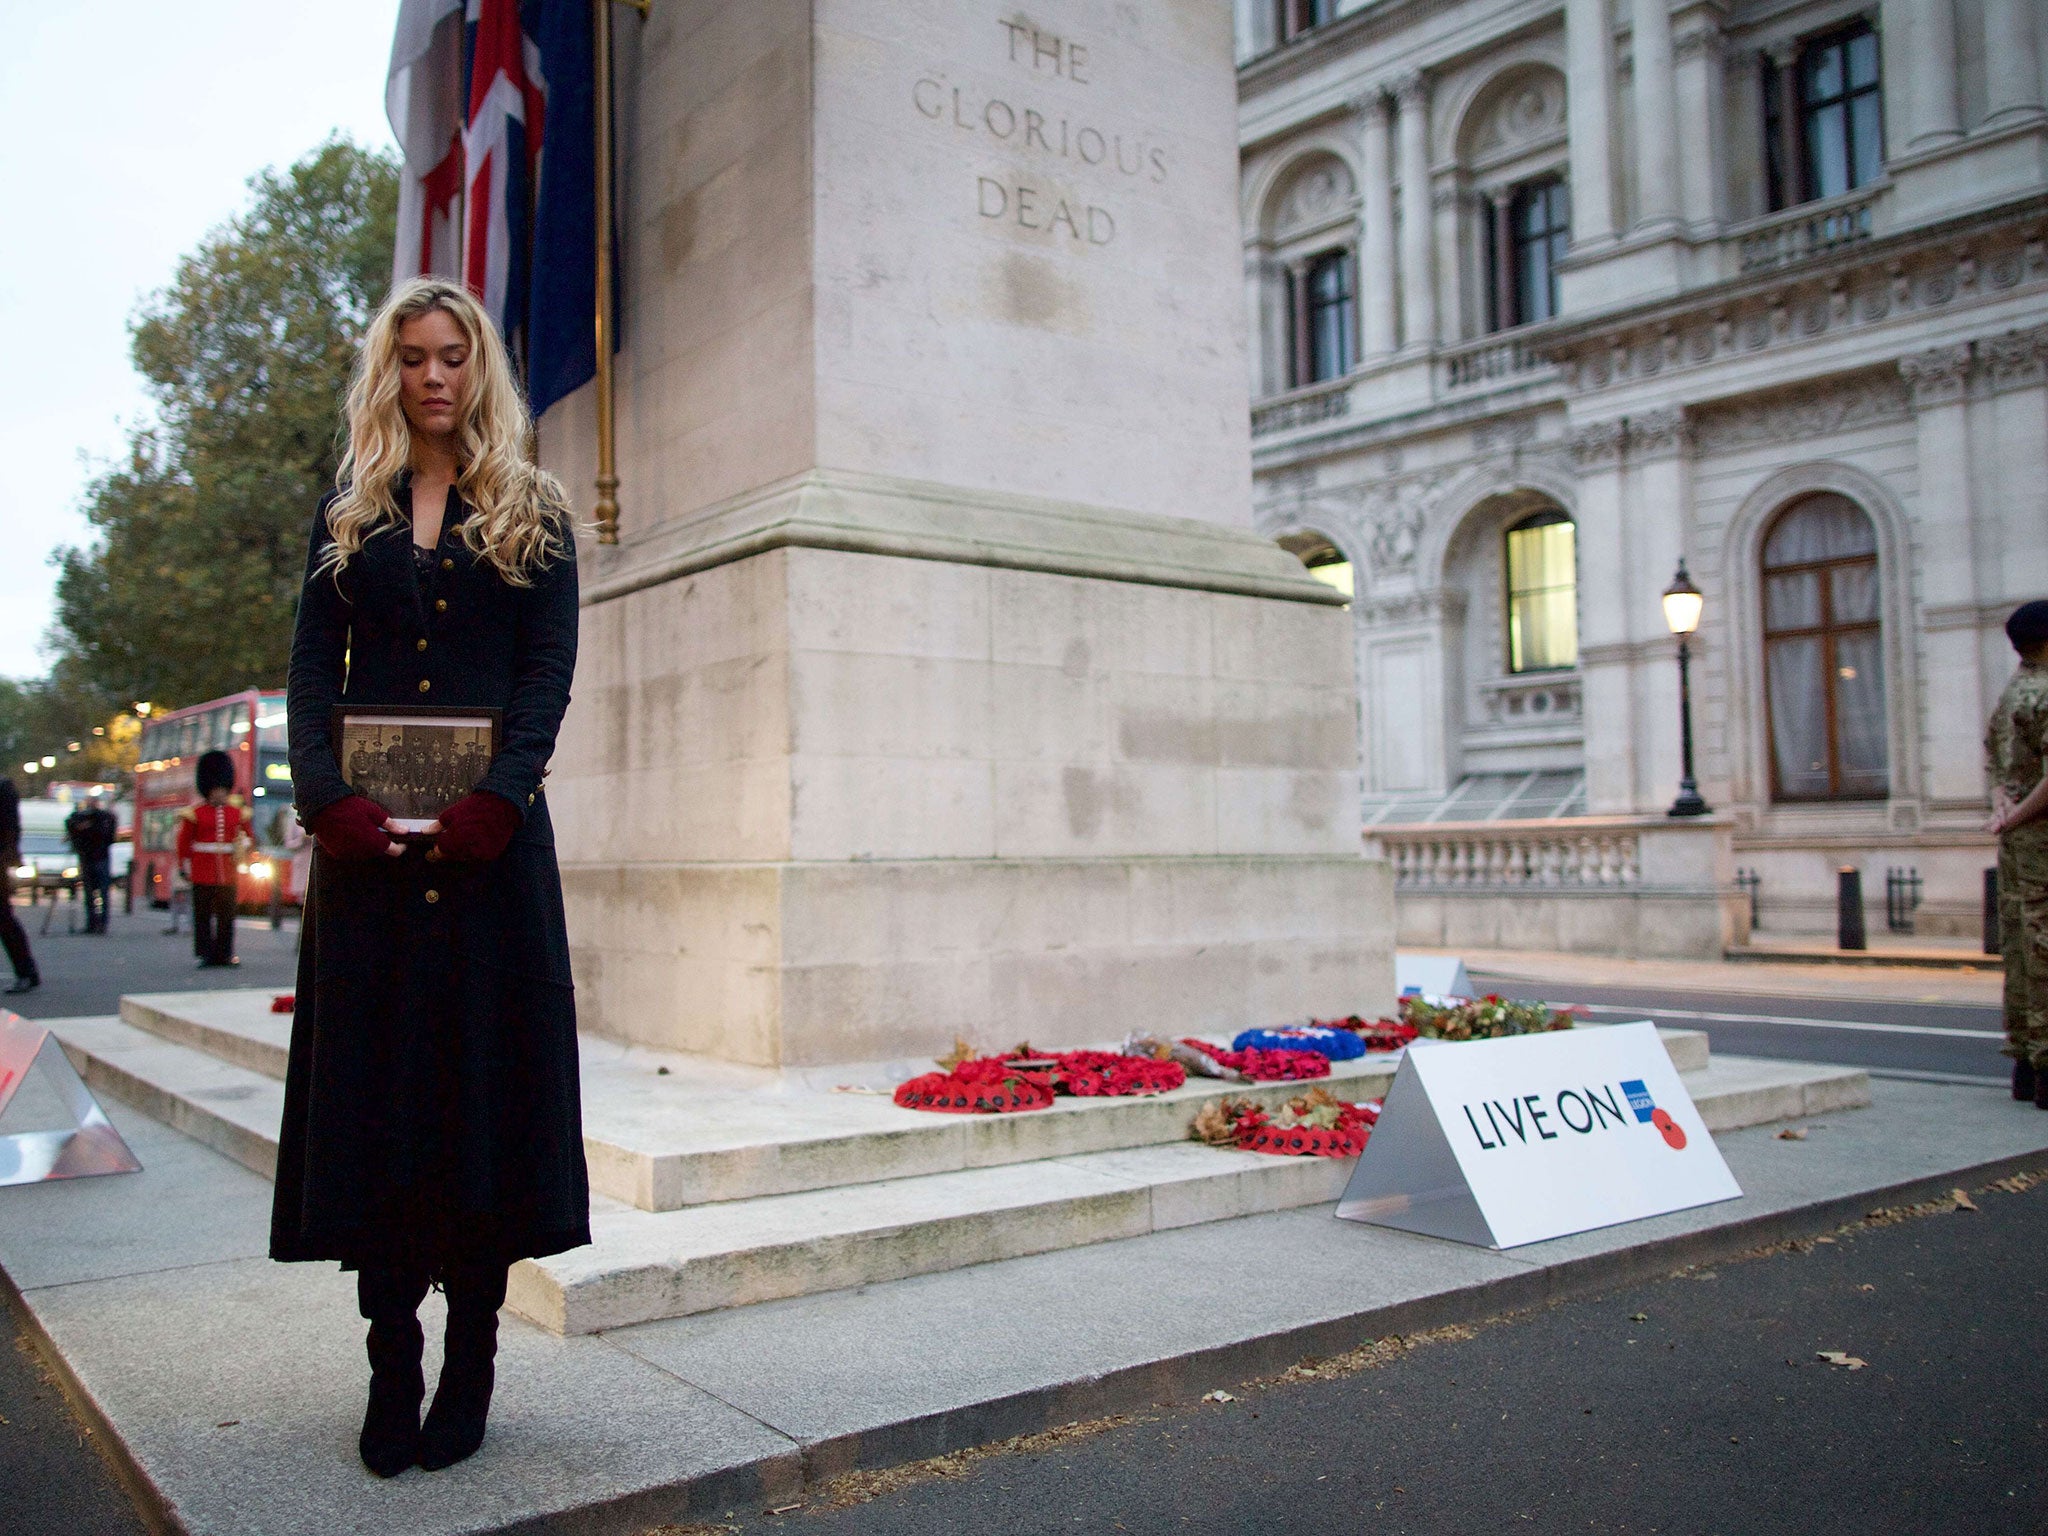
x: 131, y: 127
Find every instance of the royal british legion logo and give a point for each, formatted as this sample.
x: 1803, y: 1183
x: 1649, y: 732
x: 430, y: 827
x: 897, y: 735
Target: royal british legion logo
x: 1646, y: 1109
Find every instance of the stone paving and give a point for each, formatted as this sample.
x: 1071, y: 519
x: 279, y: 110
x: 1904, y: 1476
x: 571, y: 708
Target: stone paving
x: 234, y: 1384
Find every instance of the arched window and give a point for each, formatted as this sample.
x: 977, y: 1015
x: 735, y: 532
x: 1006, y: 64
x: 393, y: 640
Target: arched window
x: 1325, y: 561
x: 1823, y: 653
x: 1543, y: 593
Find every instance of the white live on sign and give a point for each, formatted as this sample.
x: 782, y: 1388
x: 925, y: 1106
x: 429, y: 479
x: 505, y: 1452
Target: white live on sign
x: 1504, y: 1142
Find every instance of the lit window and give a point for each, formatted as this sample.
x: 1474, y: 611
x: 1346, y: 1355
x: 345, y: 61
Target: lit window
x: 1324, y: 560
x: 1543, y: 593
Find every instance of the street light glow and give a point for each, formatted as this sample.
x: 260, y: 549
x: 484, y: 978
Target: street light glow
x: 50, y: 761
x: 1683, y: 603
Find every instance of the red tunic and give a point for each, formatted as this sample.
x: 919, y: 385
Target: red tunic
x: 209, y: 836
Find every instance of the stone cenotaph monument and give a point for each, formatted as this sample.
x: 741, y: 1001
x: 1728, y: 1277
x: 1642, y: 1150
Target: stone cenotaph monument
x: 938, y: 685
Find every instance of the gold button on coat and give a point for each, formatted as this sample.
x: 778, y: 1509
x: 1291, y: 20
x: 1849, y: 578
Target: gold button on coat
x: 447, y: 565
x: 420, y: 645
x: 433, y: 896
x: 425, y: 685
x: 440, y: 605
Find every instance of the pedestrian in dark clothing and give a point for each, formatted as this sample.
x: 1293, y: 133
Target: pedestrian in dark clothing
x: 13, y: 937
x: 432, y: 1125
x: 91, y: 830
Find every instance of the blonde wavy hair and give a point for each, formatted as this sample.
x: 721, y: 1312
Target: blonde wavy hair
x: 519, y: 514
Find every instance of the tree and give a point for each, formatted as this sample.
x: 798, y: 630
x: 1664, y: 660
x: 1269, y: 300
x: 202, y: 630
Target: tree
x: 189, y: 586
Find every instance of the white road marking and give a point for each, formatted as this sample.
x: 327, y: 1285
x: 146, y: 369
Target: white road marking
x: 1863, y: 1025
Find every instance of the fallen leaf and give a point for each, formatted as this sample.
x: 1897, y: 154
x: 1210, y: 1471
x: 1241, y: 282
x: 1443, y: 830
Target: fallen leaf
x: 1218, y: 1396
x: 1639, y: 1317
x: 1792, y: 1135
x: 1836, y: 1357
x: 661, y: 1071
x: 1963, y: 1201
x: 961, y: 1051
x: 1866, y: 1287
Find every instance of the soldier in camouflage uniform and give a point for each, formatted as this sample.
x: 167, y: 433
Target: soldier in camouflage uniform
x: 2016, y: 758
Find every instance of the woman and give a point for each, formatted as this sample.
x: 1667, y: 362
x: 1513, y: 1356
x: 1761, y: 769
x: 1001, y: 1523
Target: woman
x: 432, y: 1131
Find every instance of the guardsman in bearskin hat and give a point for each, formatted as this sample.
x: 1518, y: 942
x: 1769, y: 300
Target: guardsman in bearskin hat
x: 211, y: 836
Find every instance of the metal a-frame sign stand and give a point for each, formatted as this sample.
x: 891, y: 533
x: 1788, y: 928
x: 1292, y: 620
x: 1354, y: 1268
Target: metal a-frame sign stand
x: 90, y: 1145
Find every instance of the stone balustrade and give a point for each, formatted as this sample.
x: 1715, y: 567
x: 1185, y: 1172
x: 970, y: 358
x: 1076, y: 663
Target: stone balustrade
x: 1520, y: 357
x: 1814, y: 229
x: 1615, y: 885
x: 1532, y: 699
x: 1577, y: 852
x: 1302, y: 407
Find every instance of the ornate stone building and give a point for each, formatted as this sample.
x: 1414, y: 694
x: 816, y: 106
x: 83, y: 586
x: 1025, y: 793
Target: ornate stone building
x: 1547, y: 295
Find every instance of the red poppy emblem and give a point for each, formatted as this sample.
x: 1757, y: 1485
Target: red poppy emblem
x: 1672, y: 1132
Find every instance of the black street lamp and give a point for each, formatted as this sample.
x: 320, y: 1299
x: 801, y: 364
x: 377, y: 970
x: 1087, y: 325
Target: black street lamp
x: 1682, y: 605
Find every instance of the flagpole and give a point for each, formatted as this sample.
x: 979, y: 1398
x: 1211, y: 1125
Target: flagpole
x: 607, y: 442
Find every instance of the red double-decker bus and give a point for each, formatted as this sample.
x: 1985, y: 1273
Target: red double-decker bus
x: 250, y: 728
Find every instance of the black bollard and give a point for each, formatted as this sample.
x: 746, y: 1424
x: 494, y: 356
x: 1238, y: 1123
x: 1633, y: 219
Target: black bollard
x: 1993, y: 939
x: 1849, y: 908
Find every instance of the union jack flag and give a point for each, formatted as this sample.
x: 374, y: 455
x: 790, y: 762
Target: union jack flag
x: 491, y: 104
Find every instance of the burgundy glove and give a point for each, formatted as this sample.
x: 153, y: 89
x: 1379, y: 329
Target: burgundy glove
x: 477, y: 828
x: 352, y: 829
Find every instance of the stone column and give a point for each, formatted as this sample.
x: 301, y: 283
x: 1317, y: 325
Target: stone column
x: 1656, y: 116
x: 1937, y: 114
x: 1295, y: 365
x: 1659, y: 493
x: 1589, y: 102
x: 1376, y: 234
x: 1502, y: 290
x: 1953, y: 701
x: 1792, y: 167
x: 1418, y: 285
x: 1259, y: 329
x: 1701, y: 95
x: 1411, y: 690
x: 2012, y: 75
x: 1605, y: 650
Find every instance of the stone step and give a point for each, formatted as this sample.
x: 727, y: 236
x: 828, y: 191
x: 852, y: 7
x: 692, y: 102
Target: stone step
x: 234, y: 1025
x: 643, y: 1265
x: 227, y: 1107
x: 702, y: 1132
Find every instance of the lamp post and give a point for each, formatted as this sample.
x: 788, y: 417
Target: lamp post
x: 1682, y: 605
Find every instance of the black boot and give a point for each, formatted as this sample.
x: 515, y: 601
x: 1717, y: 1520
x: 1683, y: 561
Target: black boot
x: 2023, y: 1079
x: 2040, y: 1088
x: 462, y: 1401
x: 390, y: 1299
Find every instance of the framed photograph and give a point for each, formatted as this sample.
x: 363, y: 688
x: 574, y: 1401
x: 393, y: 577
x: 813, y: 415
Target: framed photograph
x: 414, y: 761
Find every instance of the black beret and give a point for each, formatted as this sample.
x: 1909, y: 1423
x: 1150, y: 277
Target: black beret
x: 2028, y: 625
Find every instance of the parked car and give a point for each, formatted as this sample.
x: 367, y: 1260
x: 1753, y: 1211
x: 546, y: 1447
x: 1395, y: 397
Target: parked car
x: 47, y: 862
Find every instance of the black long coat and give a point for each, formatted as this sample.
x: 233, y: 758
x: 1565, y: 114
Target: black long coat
x: 431, y: 1108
